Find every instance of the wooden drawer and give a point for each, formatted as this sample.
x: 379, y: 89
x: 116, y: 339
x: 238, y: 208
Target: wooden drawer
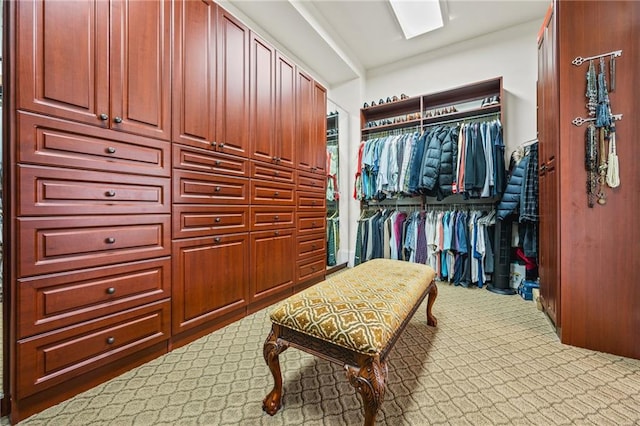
x: 272, y: 217
x: 311, y: 201
x: 55, y: 301
x: 210, y: 279
x: 201, y: 221
x: 72, y: 242
x: 48, y: 360
x: 272, y: 263
x: 272, y: 193
x: 269, y: 172
x: 190, y: 158
x: 311, y: 268
x: 206, y: 188
x: 311, y: 182
x: 46, y: 140
x: 53, y: 191
x: 312, y: 246
x: 311, y: 223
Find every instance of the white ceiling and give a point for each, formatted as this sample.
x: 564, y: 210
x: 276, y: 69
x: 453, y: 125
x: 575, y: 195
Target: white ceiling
x: 342, y: 40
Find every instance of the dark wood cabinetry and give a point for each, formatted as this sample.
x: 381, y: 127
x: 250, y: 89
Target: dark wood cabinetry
x: 587, y: 282
x: 108, y: 65
x: 152, y: 185
x: 209, y: 279
x: 211, y: 78
x: 312, y: 132
x: 232, y: 95
x: 549, y: 138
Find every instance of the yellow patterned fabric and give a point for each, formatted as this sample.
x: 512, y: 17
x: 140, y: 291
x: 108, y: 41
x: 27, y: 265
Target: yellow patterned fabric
x: 359, y: 309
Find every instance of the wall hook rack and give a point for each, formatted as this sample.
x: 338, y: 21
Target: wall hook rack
x: 579, y: 60
x: 579, y: 121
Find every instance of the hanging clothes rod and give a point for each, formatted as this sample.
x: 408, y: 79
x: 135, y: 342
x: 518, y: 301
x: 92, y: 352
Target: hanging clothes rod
x: 579, y: 60
x: 393, y: 132
x: 496, y: 115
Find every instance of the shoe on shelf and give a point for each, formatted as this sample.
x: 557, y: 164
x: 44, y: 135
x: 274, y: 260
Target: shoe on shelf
x: 381, y: 101
x: 373, y: 103
x: 388, y: 100
x: 366, y: 105
x: 403, y: 96
x: 395, y: 99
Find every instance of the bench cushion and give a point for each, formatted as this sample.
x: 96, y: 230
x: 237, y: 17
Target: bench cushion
x: 359, y: 309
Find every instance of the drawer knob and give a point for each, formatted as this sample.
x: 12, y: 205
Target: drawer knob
x: 214, y: 144
x: 276, y: 217
x: 111, y: 340
x: 218, y: 162
x: 217, y: 220
x: 313, y: 269
x: 111, y: 290
x: 110, y: 193
x: 111, y: 150
x: 117, y: 120
x: 313, y: 246
x: 276, y: 194
x: 274, y: 159
x: 216, y: 239
x: 277, y: 233
x: 313, y: 183
x: 278, y: 159
x: 276, y: 173
x: 110, y: 240
x: 221, y: 144
x: 313, y: 224
x: 218, y: 189
x: 103, y: 117
x: 313, y: 203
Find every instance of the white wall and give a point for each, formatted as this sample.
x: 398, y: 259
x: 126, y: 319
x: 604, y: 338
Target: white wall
x: 510, y: 53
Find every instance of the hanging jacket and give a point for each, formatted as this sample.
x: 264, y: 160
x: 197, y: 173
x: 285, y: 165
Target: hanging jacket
x: 415, y: 163
x: 476, y: 166
x: 511, y: 197
x: 448, y: 161
x: 431, y: 162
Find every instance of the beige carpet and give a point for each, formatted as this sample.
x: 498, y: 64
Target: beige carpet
x: 492, y: 360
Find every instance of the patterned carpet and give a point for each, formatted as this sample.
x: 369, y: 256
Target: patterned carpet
x: 492, y: 360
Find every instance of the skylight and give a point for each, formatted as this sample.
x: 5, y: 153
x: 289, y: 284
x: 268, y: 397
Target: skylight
x: 417, y: 17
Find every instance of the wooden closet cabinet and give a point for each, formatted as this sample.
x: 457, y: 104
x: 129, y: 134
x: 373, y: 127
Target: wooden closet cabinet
x: 152, y: 185
x: 211, y: 78
x: 107, y: 65
x: 549, y: 146
x: 588, y: 256
x: 311, y: 131
x: 272, y: 105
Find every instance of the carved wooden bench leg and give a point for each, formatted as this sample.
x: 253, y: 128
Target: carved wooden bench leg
x: 272, y: 348
x: 433, y: 293
x: 370, y: 380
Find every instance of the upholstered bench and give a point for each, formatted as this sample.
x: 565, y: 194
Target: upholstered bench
x: 353, y: 318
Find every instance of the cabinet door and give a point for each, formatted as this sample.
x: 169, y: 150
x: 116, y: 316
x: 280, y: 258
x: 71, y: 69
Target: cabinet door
x: 194, y: 73
x: 304, y: 121
x: 285, y: 137
x: 232, y: 120
x: 62, y: 60
x: 319, y: 130
x: 210, y: 277
x: 262, y: 101
x: 140, y: 67
x: 272, y: 269
x: 549, y: 141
